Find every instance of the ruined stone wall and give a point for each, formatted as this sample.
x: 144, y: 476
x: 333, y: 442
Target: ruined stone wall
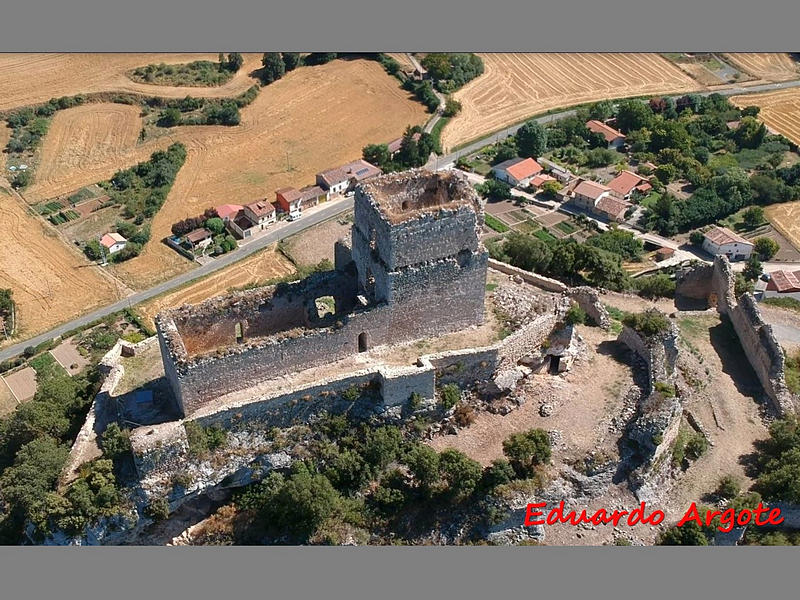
x: 589, y: 300
x: 205, y: 378
x: 546, y: 283
x: 659, y: 353
x: 528, y: 340
x: 464, y: 367
x: 695, y: 282
x: 717, y: 283
x: 763, y: 351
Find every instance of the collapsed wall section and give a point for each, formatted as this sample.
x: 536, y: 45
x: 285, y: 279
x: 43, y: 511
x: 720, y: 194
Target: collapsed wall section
x: 717, y: 284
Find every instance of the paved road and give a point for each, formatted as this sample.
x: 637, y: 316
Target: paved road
x: 450, y: 159
x: 435, y: 163
x: 284, y: 230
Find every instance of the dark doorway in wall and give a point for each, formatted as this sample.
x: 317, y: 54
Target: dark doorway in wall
x: 362, y: 341
x: 555, y: 363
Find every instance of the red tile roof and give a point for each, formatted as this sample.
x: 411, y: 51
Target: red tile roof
x: 613, y: 207
x: 784, y: 281
x: 289, y: 194
x: 261, y: 208
x: 227, y: 211
x: 358, y: 170
x: 625, y: 182
x: 523, y: 169
x: 723, y: 235
x: 110, y: 239
x: 541, y: 178
x: 591, y: 189
x: 609, y: 133
x: 198, y: 235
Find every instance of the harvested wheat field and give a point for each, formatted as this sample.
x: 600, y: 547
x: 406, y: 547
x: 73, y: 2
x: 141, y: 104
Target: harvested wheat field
x: 515, y: 86
x: 260, y: 268
x: 780, y: 110
x: 314, y: 118
x: 51, y: 281
x: 81, y: 141
x: 785, y: 218
x: 772, y: 66
x: 32, y: 78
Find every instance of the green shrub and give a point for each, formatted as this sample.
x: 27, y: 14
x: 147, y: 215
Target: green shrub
x: 158, y: 509
x: 647, y: 323
x: 202, y: 439
x: 525, y: 451
x: 576, y: 315
x: 450, y: 394
x: 729, y: 487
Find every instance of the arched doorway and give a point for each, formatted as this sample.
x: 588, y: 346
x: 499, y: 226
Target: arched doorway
x: 363, y: 342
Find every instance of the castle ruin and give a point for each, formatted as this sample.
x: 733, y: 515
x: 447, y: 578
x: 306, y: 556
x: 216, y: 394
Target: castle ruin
x: 415, y: 267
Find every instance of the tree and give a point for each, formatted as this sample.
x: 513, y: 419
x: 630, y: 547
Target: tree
x: 169, y: 117
x: 459, y: 472
x: 752, y: 268
x: 600, y: 157
x: 494, y: 189
x: 527, y: 252
x: 377, y: 154
x: 273, y: 67
x: 697, y: 238
x: 423, y: 462
x: 525, y: 451
x: 531, y: 139
x: 742, y: 285
x: 656, y: 286
x: 753, y: 217
x: 551, y: 188
x: 766, y: 247
x: 498, y: 473
x: 632, y: 115
x: 505, y: 150
x: 750, y: 133
x: 234, y: 62
x: 602, y: 110
x: 452, y: 107
x: 319, y: 58
x: 93, y: 250
x: 729, y: 487
x: 290, y: 60
x: 690, y: 534
x: 215, y: 225
x: 115, y: 441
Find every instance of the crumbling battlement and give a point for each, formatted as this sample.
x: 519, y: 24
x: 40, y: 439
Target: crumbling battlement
x: 717, y: 284
x: 659, y: 353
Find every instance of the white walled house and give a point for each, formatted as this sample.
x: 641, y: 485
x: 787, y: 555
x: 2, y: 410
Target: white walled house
x: 517, y: 172
x: 113, y: 242
x: 721, y: 240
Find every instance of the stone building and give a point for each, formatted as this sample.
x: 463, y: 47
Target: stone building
x: 415, y: 267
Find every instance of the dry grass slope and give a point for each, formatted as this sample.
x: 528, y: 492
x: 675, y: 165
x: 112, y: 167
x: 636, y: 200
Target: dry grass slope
x: 33, y: 78
x: 81, y: 142
x: 52, y: 282
x: 515, y: 86
x: 772, y: 66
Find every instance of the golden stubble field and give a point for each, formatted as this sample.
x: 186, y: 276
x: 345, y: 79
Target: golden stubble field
x: 269, y: 264
x: 32, y: 78
x: 516, y: 86
x: 51, y: 281
x: 770, y: 66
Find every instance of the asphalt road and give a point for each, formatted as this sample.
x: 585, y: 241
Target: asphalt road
x: 285, y: 230
x: 436, y: 163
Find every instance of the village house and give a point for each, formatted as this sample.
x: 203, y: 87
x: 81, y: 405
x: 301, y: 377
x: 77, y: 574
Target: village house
x: 721, y: 240
x: 539, y: 180
x: 627, y: 185
x: 341, y: 179
x: 199, y: 238
x: 288, y: 199
x: 517, y: 172
x: 227, y: 212
x: 113, y: 242
x: 260, y: 213
x: 782, y: 284
x: 597, y: 199
x: 395, y: 145
x: 560, y: 173
x: 614, y: 139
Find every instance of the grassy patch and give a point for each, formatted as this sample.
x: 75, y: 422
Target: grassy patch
x: 496, y: 224
x: 566, y: 227
x: 200, y: 73
x: 545, y: 236
x: 650, y: 200
x: 787, y: 303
